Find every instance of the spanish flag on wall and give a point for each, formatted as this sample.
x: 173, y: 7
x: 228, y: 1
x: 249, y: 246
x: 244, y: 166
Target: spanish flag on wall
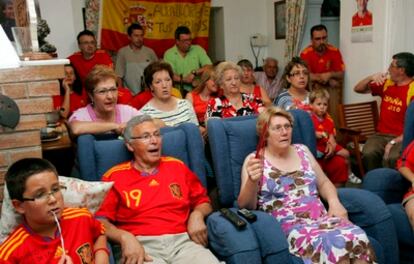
x: 160, y: 18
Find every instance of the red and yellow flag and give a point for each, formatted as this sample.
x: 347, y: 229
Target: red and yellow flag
x: 160, y: 18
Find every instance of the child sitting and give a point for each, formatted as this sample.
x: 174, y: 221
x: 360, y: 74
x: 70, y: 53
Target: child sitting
x: 405, y: 166
x: 49, y: 233
x: 332, y: 157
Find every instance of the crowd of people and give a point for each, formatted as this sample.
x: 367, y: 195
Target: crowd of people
x: 149, y: 207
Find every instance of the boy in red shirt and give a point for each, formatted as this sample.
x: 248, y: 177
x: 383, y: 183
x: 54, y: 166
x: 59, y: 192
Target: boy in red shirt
x: 405, y: 166
x: 49, y: 233
x: 332, y: 157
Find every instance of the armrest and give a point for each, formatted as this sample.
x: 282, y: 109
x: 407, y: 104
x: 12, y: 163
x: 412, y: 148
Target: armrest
x: 264, y: 236
x: 350, y: 131
x: 369, y: 212
x: 387, y: 183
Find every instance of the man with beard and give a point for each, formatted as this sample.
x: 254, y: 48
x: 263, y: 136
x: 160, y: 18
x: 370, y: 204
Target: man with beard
x: 326, y: 66
x: 133, y: 58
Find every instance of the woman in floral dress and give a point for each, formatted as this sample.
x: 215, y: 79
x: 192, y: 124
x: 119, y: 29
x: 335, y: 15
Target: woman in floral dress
x: 286, y: 181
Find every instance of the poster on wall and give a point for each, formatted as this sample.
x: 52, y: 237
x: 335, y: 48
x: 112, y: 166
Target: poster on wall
x: 362, y: 23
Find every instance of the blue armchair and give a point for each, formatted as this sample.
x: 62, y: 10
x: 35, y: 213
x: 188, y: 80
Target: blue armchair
x: 97, y: 154
x: 231, y: 140
x: 390, y: 185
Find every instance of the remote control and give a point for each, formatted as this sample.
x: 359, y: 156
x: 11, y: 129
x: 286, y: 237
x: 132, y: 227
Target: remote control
x: 233, y: 218
x: 247, y: 214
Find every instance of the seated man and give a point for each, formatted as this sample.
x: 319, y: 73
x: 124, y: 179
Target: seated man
x: 268, y: 78
x: 396, y: 91
x: 157, y: 206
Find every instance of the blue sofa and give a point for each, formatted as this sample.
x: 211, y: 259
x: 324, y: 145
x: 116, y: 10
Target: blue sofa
x: 390, y: 185
x: 231, y: 140
x: 98, y: 153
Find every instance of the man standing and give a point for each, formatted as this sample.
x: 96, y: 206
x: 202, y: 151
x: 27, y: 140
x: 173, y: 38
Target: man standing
x: 132, y: 59
x: 187, y: 60
x: 396, y: 91
x: 268, y: 77
x: 326, y: 67
x: 157, y: 206
x: 88, y: 56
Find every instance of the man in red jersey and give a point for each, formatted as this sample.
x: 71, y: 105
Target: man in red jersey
x: 157, y: 206
x: 396, y: 89
x: 326, y: 67
x: 88, y: 56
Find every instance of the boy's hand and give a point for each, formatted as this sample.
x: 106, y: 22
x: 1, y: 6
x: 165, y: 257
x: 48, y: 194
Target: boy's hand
x: 65, y: 260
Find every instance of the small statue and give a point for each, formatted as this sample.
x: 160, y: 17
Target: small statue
x: 42, y: 31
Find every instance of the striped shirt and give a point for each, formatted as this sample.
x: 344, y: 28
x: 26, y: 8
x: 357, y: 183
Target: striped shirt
x: 183, y: 113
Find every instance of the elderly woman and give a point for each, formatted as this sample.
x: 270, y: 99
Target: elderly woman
x: 163, y: 106
x: 286, y: 181
x: 103, y: 114
x: 232, y: 102
x: 296, y: 79
x: 248, y: 84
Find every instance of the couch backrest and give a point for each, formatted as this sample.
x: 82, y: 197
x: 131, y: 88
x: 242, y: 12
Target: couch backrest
x: 232, y: 139
x: 97, y: 155
x: 408, y: 125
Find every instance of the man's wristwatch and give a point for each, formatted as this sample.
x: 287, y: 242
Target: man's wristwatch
x: 392, y: 142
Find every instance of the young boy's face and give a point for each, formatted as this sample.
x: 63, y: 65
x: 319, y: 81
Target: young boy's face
x: 44, y: 188
x: 320, y: 106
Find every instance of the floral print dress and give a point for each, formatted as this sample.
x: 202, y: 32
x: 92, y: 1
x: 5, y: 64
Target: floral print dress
x: 293, y: 199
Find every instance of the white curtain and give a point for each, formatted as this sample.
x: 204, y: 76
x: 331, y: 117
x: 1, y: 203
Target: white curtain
x: 295, y: 24
x: 401, y: 21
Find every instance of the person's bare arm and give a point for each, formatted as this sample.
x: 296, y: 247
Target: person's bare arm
x: 132, y: 251
x: 196, y: 226
x: 252, y: 171
x: 101, y: 256
x: 363, y: 85
x: 265, y: 97
x: 90, y: 127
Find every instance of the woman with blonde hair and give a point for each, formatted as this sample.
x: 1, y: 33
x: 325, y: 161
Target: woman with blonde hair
x: 285, y: 180
x: 232, y: 102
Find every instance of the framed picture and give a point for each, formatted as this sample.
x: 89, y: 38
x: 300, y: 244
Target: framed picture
x: 280, y: 19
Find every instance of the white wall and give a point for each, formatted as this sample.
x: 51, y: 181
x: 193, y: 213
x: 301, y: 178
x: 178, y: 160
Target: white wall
x: 65, y: 20
x: 242, y: 18
x: 276, y: 46
x: 362, y: 59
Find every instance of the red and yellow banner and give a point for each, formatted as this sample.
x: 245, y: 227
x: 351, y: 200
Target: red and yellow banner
x: 160, y: 18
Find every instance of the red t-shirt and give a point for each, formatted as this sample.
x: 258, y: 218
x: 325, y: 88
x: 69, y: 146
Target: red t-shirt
x: 324, y: 125
x: 124, y: 95
x: 141, y: 99
x: 83, y: 66
x: 155, y: 204
x: 200, y: 107
x: 76, y: 101
x: 329, y: 61
x: 79, y: 230
x: 393, y: 106
x: 358, y: 21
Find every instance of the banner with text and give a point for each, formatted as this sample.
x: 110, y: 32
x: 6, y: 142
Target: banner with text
x: 160, y: 18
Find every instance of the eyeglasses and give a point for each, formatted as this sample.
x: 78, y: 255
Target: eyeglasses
x: 44, y: 196
x: 186, y: 40
x: 321, y: 38
x: 146, y: 138
x: 88, y: 43
x: 105, y: 91
x: 280, y: 128
x: 298, y: 73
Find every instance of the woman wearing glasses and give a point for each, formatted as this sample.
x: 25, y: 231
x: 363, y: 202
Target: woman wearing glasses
x: 285, y: 180
x: 103, y: 114
x: 296, y: 81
